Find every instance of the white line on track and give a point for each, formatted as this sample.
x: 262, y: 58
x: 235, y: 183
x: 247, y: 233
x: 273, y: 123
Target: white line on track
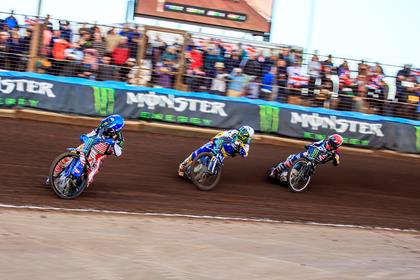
x: 262, y: 220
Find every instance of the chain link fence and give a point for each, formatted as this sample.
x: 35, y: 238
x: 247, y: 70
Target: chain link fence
x: 162, y: 57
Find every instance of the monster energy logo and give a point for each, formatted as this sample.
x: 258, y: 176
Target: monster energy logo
x: 418, y: 138
x: 314, y: 153
x: 269, y: 118
x: 104, y: 100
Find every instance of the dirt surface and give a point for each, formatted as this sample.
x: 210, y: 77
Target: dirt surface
x: 45, y: 245
x: 365, y: 190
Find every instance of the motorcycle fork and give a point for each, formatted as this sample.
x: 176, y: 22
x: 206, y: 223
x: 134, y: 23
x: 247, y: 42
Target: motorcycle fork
x: 212, y: 165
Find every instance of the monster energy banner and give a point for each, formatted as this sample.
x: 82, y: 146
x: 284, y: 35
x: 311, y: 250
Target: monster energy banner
x: 317, y: 123
x: 85, y: 97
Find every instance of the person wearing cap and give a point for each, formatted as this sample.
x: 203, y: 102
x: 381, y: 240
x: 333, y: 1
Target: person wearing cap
x: 237, y: 83
x: 218, y: 83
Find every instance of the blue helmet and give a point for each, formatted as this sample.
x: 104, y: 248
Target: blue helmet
x: 112, y: 125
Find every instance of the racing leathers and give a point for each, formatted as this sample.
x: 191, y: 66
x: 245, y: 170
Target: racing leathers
x: 226, y: 142
x: 109, y: 144
x: 324, y: 155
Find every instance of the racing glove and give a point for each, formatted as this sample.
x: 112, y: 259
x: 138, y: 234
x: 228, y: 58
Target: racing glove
x: 336, y: 160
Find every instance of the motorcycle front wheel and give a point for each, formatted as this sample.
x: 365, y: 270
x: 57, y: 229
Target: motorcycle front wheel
x: 298, y: 177
x: 63, y: 185
x: 200, y: 174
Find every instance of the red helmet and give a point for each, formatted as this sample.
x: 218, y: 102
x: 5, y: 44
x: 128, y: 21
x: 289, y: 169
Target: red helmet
x: 334, y: 141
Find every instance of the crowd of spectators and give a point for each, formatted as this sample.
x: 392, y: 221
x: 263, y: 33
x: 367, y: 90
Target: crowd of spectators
x: 207, y: 65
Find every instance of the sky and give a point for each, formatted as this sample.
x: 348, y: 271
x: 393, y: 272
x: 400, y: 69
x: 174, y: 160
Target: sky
x: 375, y: 30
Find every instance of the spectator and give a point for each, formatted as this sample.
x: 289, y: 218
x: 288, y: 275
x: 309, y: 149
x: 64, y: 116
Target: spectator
x: 165, y: 74
x: 211, y: 56
x: 87, y: 69
x: 15, y: 51
x: 252, y: 88
x: 363, y: 68
x: 126, y: 68
x: 284, y: 54
x: 58, y: 53
x: 98, y: 44
x: 121, y: 52
x: 267, y: 90
x: 196, y: 80
x: 65, y: 30
x: 134, y: 42
x: 84, y: 30
x: 322, y: 98
x: 140, y: 75
x: 74, y: 56
x: 237, y: 83
x: 112, y: 40
x: 328, y: 62
x: 11, y: 21
x: 106, y: 71
x: 268, y: 63
x: 233, y: 61
x: 85, y: 41
x: 126, y: 32
x: 4, y: 49
x: 343, y: 69
x: 314, y: 71
x: 196, y: 57
x: 282, y: 80
x: 218, y: 84
x: 243, y: 53
x: 170, y: 55
x: 253, y: 66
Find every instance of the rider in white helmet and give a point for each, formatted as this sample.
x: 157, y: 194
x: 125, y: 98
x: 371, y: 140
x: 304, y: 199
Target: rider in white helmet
x: 230, y: 143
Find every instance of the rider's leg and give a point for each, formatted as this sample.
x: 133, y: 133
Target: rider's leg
x: 285, y: 164
x: 205, y: 148
x: 95, y: 164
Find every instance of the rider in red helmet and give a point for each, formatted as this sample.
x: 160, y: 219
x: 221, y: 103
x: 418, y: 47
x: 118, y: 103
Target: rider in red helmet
x: 328, y: 150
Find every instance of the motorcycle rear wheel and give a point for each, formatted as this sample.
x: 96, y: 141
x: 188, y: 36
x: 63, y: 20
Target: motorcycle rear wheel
x: 203, y: 181
x: 76, y: 190
x: 295, y: 183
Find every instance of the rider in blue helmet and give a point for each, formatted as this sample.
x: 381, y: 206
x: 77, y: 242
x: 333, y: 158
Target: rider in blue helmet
x: 109, y: 128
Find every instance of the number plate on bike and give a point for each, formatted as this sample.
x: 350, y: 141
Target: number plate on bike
x: 312, y: 152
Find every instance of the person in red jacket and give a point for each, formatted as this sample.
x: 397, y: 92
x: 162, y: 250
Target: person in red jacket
x: 121, y: 52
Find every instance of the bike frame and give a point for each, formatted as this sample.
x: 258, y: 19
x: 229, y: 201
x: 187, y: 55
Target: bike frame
x: 215, y: 161
x: 76, y: 169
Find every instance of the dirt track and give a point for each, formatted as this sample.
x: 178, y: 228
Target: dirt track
x: 364, y: 190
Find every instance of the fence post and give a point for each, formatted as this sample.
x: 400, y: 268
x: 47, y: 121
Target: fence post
x: 181, y: 68
x: 34, y: 48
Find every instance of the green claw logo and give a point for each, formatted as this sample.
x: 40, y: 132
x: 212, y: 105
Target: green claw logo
x: 104, y: 100
x: 269, y: 118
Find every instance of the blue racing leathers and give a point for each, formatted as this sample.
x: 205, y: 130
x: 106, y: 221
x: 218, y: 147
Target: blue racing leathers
x: 323, y: 156
x: 225, y: 142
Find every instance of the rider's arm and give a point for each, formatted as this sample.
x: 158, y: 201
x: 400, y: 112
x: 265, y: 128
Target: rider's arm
x: 84, y: 137
x: 119, y: 143
x: 242, y: 148
x: 336, y: 159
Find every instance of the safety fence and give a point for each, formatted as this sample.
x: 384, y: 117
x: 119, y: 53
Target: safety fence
x: 93, y: 98
x: 161, y: 57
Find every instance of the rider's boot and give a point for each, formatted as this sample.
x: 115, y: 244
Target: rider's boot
x: 183, y: 166
x: 277, y: 170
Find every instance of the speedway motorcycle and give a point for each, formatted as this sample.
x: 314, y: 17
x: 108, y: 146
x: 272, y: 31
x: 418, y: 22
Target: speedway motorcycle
x: 68, y: 176
x: 298, y: 176
x: 205, y: 170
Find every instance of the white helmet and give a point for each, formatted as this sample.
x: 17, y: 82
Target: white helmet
x: 245, y: 132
